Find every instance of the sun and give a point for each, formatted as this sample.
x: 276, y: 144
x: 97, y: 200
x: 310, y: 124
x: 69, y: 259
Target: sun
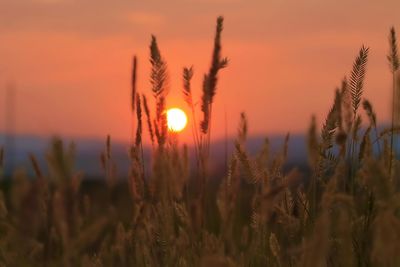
x: 176, y: 119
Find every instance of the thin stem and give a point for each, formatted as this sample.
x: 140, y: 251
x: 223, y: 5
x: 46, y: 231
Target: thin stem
x: 143, y: 168
x: 352, y: 158
x: 195, y: 134
x: 392, y: 130
x: 209, y: 131
x: 376, y: 136
x: 226, y: 142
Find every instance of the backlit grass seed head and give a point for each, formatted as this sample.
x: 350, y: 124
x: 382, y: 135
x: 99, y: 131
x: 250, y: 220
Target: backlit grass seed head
x: 393, y: 57
x: 211, y: 78
x: 357, y: 77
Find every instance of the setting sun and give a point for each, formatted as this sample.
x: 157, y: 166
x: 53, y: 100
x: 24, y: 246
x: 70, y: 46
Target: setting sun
x: 176, y: 119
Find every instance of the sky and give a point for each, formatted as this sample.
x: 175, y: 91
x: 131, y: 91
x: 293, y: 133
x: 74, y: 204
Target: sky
x: 70, y: 60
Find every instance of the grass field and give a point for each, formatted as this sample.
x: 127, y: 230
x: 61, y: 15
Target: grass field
x: 344, y: 212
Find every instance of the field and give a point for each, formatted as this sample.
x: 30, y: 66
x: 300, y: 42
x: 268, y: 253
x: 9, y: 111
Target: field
x: 343, y: 211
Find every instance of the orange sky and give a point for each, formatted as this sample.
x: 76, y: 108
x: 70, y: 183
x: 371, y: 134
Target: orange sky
x: 71, y: 59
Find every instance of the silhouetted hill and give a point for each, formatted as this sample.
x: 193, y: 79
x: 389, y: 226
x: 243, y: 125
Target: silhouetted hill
x: 88, y: 152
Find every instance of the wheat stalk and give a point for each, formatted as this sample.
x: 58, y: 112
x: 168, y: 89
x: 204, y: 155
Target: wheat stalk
x: 133, y: 83
x: 138, y: 139
x: 393, y: 59
x: 356, y: 84
x: 133, y: 94
x: 148, y: 118
x: 372, y: 119
x: 159, y: 82
x: 187, y: 95
x: 357, y: 76
x: 211, y: 78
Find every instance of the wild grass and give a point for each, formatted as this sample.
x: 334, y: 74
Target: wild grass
x: 344, y: 212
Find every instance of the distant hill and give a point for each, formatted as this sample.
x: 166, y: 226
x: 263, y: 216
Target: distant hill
x: 88, y: 152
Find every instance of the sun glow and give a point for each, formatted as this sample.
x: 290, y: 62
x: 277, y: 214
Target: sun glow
x: 176, y: 119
